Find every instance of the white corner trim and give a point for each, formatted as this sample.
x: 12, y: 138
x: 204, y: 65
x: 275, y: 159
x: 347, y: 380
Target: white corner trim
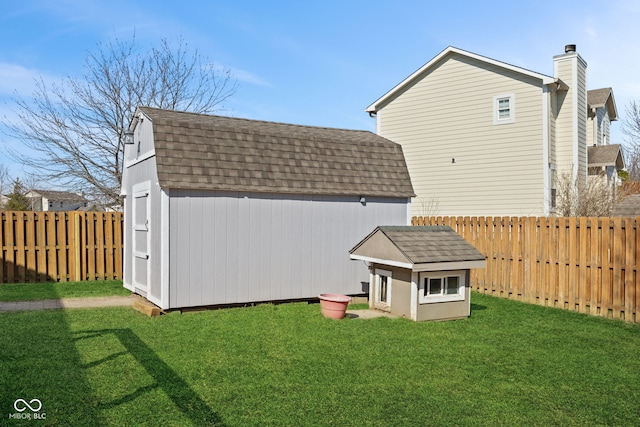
x: 414, y: 296
x: 165, y: 250
x: 546, y: 171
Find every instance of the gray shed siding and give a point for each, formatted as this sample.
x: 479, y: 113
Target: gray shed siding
x: 230, y: 247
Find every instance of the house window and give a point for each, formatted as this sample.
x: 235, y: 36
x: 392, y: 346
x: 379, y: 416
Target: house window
x: 442, y: 286
x: 504, y: 109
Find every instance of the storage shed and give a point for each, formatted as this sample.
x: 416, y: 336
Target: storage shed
x: 421, y: 273
x: 222, y: 210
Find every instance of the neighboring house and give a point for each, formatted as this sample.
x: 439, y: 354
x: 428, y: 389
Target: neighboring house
x: 483, y: 137
x: 49, y: 200
x: 221, y: 210
x: 605, y: 159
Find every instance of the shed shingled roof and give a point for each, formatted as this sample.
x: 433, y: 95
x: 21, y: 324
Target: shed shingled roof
x: 428, y: 244
x: 206, y: 152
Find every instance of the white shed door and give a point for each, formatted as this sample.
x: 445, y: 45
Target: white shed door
x: 141, y: 237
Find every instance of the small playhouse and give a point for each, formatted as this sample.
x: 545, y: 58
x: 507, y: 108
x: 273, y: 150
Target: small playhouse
x: 421, y: 273
x: 221, y: 210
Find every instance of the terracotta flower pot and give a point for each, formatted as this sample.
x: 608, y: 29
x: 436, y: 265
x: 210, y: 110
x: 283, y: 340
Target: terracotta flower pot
x: 334, y: 306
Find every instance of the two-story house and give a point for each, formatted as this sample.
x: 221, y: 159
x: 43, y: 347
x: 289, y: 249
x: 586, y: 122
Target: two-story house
x: 50, y: 200
x: 483, y: 137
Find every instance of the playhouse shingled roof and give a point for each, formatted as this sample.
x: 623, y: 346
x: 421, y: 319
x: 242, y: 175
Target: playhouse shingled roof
x: 206, y: 152
x: 416, y: 245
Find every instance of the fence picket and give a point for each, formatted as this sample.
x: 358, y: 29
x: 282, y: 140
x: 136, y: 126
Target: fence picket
x: 583, y: 249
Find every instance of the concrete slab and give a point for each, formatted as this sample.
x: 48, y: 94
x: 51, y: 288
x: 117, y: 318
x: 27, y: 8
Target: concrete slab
x: 368, y: 314
x: 52, y: 304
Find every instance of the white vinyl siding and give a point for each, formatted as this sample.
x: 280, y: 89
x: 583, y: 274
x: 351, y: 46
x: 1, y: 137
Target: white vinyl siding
x: 449, y: 114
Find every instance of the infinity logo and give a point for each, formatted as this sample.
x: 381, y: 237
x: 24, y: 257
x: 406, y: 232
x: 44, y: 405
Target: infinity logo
x: 25, y: 405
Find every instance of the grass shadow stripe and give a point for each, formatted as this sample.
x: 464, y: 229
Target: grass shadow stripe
x: 165, y: 378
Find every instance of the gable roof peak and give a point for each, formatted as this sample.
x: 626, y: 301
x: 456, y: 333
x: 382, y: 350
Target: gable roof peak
x: 603, y: 98
x: 450, y: 50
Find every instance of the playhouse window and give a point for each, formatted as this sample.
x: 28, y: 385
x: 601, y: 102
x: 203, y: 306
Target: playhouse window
x: 441, y: 287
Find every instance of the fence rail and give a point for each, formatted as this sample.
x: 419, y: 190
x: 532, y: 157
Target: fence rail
x: 588, y: 265
x: 60, y: 246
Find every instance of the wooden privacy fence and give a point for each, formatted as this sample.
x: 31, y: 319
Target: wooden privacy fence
x: 582, y: 264
x: 60, y: 246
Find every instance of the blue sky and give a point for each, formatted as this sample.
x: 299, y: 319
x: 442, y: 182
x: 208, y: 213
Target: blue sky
x: 320, y: 63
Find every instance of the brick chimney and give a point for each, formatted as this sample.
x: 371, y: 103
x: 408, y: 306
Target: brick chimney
x: 571, y: 114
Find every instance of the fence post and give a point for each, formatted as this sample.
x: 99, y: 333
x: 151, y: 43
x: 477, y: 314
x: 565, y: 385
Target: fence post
x: 77, y: 243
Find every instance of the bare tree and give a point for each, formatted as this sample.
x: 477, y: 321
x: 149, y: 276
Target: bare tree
x: 429, y: 207
x: 77, y: 126
x: 631, y: 130
x: 4, y: 178
x: 593, y: 197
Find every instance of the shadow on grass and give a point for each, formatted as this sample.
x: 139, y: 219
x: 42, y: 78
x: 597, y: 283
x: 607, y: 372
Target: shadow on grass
x: 166, y: 379
x: 478, y: 307
x: 38, y: 360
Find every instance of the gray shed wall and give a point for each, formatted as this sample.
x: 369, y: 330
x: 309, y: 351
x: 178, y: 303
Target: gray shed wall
x: 229, y: 247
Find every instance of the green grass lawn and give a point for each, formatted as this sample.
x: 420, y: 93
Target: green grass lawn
x: 508, y: 364
x: 38, y: 291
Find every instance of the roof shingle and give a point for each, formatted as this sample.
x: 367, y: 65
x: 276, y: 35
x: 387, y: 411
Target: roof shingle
x: 428, y: 244
x: 605, y: 155
x: 198, y: 151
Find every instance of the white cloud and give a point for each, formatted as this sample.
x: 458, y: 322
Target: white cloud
x: 16, y: 78
x: 247, y: 77
x: 242, y: 75
x: 20, y: 80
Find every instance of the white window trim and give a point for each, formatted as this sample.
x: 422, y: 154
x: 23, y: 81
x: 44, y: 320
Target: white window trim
x: 460, y: 296
x: 512, y: 109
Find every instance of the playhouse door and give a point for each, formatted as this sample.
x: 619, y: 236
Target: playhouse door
x: 382, y: 290
x: 140, y: 238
